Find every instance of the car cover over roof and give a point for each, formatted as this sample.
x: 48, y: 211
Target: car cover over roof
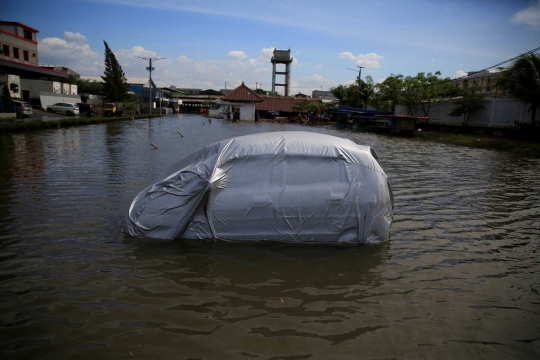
x: 285, y: 186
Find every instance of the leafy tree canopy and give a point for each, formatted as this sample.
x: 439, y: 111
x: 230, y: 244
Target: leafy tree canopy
x: 90, y: 87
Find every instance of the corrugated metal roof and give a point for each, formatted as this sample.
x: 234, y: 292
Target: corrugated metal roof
x: 242, y: 94
x: 278, y: 103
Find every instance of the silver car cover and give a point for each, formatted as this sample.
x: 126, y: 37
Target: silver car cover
x: 289, y: 186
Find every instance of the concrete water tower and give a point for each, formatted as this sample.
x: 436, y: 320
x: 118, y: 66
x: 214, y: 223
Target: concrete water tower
x: 282, y: 57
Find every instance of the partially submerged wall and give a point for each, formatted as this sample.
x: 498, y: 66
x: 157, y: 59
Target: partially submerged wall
x: 497, y: 112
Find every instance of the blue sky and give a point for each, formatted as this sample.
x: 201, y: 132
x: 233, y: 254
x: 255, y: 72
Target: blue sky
x: 209, y: 43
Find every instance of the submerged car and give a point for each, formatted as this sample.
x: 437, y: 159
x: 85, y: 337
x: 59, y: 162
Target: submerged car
x: 284, y: 186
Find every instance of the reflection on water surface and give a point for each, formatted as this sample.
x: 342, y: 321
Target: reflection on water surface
x: 459, y: 277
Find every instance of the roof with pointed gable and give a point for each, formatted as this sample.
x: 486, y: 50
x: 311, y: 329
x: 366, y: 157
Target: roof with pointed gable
x: 242, y: 94
x: 210, y: 92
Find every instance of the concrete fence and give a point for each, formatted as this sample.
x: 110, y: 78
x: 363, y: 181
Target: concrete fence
x: 497, y: 113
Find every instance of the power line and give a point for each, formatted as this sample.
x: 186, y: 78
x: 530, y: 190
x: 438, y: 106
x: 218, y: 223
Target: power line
x: 488, y: 68
x: 504, y: 62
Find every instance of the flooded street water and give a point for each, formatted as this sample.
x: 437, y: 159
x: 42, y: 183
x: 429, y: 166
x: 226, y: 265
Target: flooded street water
x: 459, y: 277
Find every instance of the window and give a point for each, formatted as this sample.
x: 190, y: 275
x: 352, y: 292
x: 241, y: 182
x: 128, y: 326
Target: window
x: 33, y: 54
x: 5, y: 48
x: 27, y: 34
x: 26, y: 57
x: 16, y: 53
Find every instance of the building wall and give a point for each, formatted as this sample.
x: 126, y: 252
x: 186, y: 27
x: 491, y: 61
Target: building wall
x: 247, y: 112
x: 20, y: 43
x: 484, y: 81
x: 136, y: 88
x: 497, y: 112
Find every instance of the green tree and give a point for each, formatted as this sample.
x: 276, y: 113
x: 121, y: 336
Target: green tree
x: 133, y: 102
x: 390, y: 92
x: 522, y: 81
x: 341, y: 93
x: 71, y: 79
x: 468, y: 104
x: 6, y: 98
x: 434, y: 90
x: 411, y: 93
x: 300, y: 106
x: 114, y: 80
x: 347, y: 95
x: 89, y: 87
x: 366, y: 91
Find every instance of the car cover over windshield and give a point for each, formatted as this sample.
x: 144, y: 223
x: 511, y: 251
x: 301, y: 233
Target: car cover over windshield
x: 284, y: 186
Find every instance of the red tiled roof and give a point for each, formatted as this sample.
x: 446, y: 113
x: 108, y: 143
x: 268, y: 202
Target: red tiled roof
x: 278, y: 103
x: 242, y: 94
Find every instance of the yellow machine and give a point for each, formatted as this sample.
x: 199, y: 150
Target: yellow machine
x: 113, y: 109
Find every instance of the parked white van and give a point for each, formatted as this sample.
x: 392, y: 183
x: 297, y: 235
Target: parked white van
x: 64, y: 108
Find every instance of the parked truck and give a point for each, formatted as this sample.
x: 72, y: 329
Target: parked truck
x: 13, y: 83
x: 113, y: 109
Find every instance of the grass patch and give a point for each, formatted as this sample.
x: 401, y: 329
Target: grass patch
x: 521, y: 147
x: 30, y: 125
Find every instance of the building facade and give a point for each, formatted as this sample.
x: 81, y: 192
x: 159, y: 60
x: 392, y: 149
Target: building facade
x: 18, y: 43
x: 484, y: 81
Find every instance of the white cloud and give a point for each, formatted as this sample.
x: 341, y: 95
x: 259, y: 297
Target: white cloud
x: 183, y: 58
x: 266, y: 54
x: 529, y: 16
x: 72, y: 51
x: 77, y: 37
x: 370, y: 60
x: 236, y: 54
x: 459, y: 73
x: 347, y: 55
x: 182, y: 71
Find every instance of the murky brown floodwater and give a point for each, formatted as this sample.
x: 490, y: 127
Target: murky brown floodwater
x: 458, y: 279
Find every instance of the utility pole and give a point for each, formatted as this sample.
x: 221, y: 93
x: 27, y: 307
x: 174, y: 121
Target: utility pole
x: 359, y: 72
x: 150, y: 68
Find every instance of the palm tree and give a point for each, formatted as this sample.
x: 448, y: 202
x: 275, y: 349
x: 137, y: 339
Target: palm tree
x: 341, y: 93
x: 367, y: 90
x: 522, y: 81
